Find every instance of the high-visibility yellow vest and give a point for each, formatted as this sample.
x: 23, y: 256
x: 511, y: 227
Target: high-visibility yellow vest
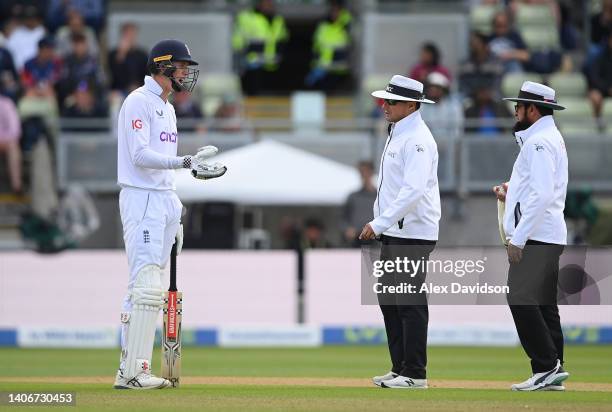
x: 331, y: 42
x: 256, y: 38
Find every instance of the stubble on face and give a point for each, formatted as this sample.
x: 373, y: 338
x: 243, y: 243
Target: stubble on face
x: 397, y: 112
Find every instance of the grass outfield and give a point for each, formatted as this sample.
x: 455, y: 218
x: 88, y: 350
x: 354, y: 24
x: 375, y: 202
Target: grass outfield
x: 328, y: 378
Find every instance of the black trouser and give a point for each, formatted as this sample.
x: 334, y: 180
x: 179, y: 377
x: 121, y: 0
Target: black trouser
x: 533, y: 303
x: 406, y: 317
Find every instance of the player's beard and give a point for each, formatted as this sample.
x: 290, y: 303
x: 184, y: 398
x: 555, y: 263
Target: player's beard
x: 521, y: 125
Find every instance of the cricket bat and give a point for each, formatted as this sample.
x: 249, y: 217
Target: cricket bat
x: 501, y: 209
x: 171, y: 334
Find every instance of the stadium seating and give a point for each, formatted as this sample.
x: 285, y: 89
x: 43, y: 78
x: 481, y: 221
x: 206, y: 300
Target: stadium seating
x: 213, y: 87
x: 267, y: 107
x: 512, y: 82
x: 568, y: 85
x: 534, y: 15
x: 607, y: 115
x: 37, y: 107
x: 369, y: 83
x: 481, y: 17
x: 540, y: 37
x: 577, y: 118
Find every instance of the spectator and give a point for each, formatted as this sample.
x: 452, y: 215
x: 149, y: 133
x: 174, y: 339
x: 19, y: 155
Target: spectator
x: 41, y: 73
x: 229, y: 114
x: 568, y: 33
x: 600, y: 81
x: 128, y: 61
x: 258, y: 40
x: 481, y: 68
x: 507, y: 44
x: 186, y: 108
x: 484, y: 114
x: 23, y: 40
x: 7, y: 11
x: 331, y: 43
x: 80, y: 66
x: 445, y: 118
x: 93, y: 12
x: 601, y: 24
x: 601, y: 27
x: 429, y: 61
x: 9, y: 79
x: 10, y: 132
x: 83, y: 103
x: 314, y: 234
x: 76, y: 25
x: 358, y: 206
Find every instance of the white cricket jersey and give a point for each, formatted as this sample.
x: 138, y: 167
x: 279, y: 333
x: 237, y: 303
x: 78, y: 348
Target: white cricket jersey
x: 536, y: 193
x: 408, y: 200
x: 148, y: 140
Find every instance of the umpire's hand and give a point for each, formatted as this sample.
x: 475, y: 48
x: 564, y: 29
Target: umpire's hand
x: 500, y: 191
x: 515, y: 253
x: 367, y: 233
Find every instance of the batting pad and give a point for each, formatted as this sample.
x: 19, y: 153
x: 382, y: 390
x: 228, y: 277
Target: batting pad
x: 140, y: 328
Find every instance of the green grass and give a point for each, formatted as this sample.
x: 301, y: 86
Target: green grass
x: 586, y: 364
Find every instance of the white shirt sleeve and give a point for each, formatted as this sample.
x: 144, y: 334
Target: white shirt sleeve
x: 417, y: 169
x: 541, y: 169
x: 138, y: 133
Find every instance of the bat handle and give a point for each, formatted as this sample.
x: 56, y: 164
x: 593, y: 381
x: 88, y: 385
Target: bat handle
x: 172, y: 287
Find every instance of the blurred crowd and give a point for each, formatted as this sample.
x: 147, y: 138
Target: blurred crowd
x: 55, y: 63
x: 512, y: 41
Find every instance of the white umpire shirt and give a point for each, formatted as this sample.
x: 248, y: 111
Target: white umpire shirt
x: 408, y: 200
x: 536, y: 193
x: 148, y: 140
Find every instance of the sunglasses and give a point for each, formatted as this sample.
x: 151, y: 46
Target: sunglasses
x: 391, y: 102
x: 518, y: 106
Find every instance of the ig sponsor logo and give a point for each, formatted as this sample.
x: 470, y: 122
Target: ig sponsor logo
x: 136, y: 124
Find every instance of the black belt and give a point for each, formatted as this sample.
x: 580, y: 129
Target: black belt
x: 409, y: 241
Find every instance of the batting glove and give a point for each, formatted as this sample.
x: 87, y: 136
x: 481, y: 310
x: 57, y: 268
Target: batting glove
x: 202, y: 170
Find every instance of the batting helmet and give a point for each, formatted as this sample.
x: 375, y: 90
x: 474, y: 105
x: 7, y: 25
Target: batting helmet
x: 161, y: 61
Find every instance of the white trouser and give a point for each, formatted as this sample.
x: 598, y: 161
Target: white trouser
x: 150, y: 221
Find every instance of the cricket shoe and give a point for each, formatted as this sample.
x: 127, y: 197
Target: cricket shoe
x: 141, y: 381
x: 403, y: 382
x: 379, y: 379
x: 540, y: 380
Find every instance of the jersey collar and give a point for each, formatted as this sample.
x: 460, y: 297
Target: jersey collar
x: 152, y: 86
x: 407, y: 122
x: 543, y: 122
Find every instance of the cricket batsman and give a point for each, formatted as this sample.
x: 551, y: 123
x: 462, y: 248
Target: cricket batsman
x: 150, y: 209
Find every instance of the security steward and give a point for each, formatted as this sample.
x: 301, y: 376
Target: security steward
x: 406, y: 216
x: 258, y: 39
x: 330, y: 45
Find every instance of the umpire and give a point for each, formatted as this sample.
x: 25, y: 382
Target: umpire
x: 406, y: 216
x: 536, y: 233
